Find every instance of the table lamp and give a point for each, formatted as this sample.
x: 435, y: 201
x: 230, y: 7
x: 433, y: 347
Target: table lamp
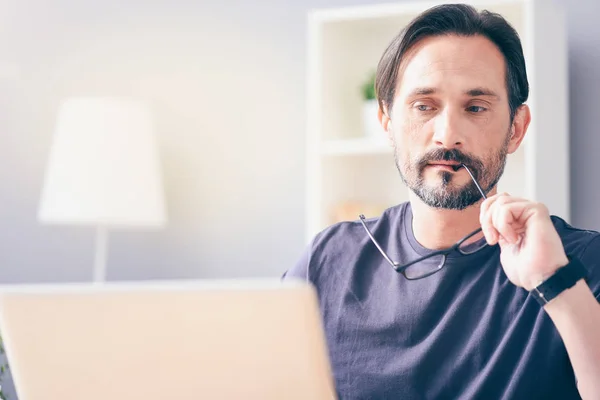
x: 103, y: 170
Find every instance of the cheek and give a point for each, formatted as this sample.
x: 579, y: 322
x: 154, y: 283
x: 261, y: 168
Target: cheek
x: 495, y: 141
x: 412, y: 130
x: 412, y: 138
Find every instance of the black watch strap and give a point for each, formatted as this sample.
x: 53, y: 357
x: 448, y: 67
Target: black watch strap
x: 563, y: 279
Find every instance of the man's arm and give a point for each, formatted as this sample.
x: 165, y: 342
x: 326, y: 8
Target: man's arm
x: 576, y: 314
x: 532, y: 251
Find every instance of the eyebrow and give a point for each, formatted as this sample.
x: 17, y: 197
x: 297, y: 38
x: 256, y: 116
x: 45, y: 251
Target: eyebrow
x: 422, y: 91
x: 475, y: 92
x: 481, y: 91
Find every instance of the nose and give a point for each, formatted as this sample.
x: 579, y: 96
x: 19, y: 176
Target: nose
x: 448, y: 133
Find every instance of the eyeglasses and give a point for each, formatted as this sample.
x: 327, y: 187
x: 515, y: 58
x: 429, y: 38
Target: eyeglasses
x: 428, y: 265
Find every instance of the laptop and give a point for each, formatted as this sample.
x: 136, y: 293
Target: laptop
x: 230, y: 339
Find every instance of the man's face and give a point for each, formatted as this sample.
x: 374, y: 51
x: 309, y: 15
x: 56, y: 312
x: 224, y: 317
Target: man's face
x: 451, y: 107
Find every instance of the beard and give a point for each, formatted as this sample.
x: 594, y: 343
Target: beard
x: 447, y: 194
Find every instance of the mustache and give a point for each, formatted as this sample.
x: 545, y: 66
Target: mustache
x: 453, y: 155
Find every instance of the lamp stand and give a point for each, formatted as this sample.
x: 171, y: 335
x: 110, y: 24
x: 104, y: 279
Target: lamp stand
x: 100, y: 255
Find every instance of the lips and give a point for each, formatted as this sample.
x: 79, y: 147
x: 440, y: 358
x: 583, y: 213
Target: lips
x: 446, y: 165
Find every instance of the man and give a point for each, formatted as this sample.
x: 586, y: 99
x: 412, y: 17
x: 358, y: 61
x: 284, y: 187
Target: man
x: 511, y: 313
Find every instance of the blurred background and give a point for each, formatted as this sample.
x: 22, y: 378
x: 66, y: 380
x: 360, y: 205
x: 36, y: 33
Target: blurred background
x: 225, y: 82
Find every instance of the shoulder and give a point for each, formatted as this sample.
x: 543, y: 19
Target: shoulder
x: 575, y: 240
x: 334, y: 245
x: 583, y: 244
x: 348, y: 235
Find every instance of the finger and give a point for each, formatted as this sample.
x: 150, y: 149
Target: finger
x: 505, y: 216
x: 487, y: 203
x: 502, y: 197
x: 485, y: 219
x: 492, y: 232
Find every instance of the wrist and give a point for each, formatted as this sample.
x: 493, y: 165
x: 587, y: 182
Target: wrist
x: 562, y: 279
x: 542, y: 277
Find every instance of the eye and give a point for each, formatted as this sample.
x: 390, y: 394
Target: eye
x: 423, y: 107
x: 476, y: 109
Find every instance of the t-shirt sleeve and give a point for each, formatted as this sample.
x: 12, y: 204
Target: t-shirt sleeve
x: 301, y: 269
x: 590, y: 258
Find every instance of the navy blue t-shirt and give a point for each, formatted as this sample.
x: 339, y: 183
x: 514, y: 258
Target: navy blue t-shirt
x: 465, y: 332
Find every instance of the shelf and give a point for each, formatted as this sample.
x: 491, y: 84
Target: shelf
x: 346, y: 167
x: 358, y: 146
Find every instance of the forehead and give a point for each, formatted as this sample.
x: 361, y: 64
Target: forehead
x: 453, y: 64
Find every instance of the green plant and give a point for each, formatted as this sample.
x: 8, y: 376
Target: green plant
x: 368, y: 87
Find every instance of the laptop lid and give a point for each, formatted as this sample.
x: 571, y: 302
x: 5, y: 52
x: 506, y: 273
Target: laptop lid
x: 235, y: 339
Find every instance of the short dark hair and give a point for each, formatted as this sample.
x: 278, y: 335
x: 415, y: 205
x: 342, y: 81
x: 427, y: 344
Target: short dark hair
x: 460, y: 20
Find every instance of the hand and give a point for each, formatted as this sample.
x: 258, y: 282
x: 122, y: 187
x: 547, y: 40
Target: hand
x: 530, y: 248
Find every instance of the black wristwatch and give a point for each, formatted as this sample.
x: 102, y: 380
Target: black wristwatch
x: 563, y: 279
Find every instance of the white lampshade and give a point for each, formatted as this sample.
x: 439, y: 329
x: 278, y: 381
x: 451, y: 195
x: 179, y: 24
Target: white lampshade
x: 104, y: 166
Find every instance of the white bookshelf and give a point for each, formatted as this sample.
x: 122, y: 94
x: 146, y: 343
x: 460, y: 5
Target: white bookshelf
x: 343, y: 165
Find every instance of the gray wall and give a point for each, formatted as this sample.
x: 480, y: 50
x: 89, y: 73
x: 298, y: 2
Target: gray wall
x: 584, y: 99
x: 226, y: 80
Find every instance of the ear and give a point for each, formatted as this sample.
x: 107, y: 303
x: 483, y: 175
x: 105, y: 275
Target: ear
x: 384, y: 120
x: 519, y: 127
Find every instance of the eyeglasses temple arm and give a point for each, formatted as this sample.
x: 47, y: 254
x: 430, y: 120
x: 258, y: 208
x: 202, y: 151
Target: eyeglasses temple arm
x: 475, y: 181
x: 362, y: 217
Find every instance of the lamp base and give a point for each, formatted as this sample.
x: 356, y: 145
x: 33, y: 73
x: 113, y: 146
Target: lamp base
x: 100, y: 255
